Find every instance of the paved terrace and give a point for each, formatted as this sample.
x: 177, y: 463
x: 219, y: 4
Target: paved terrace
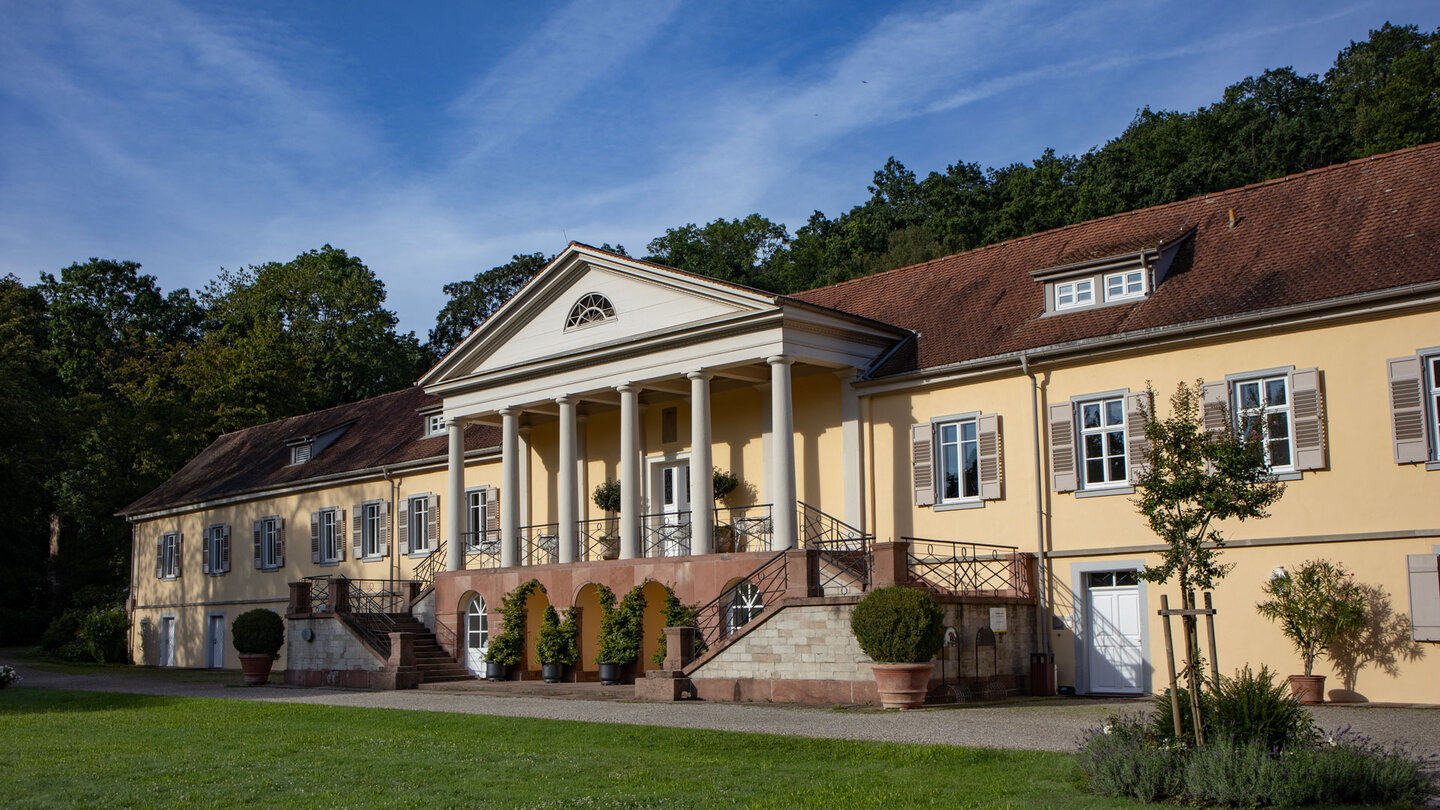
x: 1049, y: 724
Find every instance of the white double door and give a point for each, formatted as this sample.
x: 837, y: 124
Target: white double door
x: 672, y: 495
x: 1116, y: 656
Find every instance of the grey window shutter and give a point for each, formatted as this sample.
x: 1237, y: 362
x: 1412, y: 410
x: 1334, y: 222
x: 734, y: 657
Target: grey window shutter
x: 1214, y: 405
x: 160, y: 557
x: 279, y: 542
x: 258, y: 559
x: 1407, y: 410
x: 314, y: 537
x: 339, y: 532
x: 1424, y: 596
x: 225, y: 549
x: 402, y: 527
x: 384, y: 528
x: 1137, y: 445
x: 432, y: 530
x: 1308, y: 407
x: 492, y: 515
x: 205, y: 551
x: 357, y: 533
x: 990, y: 457
x: 179, y: 547
x: 1062, y: 447
x: 922, y: 462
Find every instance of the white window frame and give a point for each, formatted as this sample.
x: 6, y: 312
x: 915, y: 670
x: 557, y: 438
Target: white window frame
x: 942, y: 462
x: 170, y: 555
x: 1131, y: 285
x: 1104, y: 430
x: 371, y: 529
x: 475, y: 515
x: 269, y: 543
x: 1430, y: 371
x: 331, y: 547
x: 1261, y: 381
x: 418, y: 524
x: 215, y: 548
x: 1078, y: 298
x: 435, y: 425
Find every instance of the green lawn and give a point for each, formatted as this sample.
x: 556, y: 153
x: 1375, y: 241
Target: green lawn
x: 111, y: 750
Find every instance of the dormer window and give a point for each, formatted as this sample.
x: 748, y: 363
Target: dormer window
x: 1110, y: 276
x: 1072, y: 294
x: 591, y: 308
x: 434, y: 425
x: 300, y: 453
x: 1126, y: 285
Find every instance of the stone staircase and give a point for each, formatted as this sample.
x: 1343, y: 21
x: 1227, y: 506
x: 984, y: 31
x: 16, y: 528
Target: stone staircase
x: 435, y: 664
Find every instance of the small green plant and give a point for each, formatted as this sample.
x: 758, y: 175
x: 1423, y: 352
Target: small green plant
x: 1316, y: 605
x: 725, y: 483
x: 556, y: 642
x: 1252, y: 707
x: 607, y: 496
x: 258, y: 632
x: 899, y: 625
x: 677, y: 614
x: 621, y: 627
x: 508, y: 648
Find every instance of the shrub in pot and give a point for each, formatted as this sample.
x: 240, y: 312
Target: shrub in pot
x: 507, y: 649
x: 556, y: 644
x: 620, y: 632
x: 607, y: 497
x: 901, y: 629
x: 1316, y: 605
x: 257, y: 635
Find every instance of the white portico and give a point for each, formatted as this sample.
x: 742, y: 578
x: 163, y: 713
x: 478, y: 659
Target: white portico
x: 596, y: 336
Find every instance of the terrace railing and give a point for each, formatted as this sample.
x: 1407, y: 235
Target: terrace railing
x: 844, y: 550
x: 541, y: 543
x: 319, y: 593
x: 969, y: 569
x: 428, y: 567
x: 744, y: 528
x: 482, y: 549
x: 599, y: 539
x: 665, y: 535
x: 738, y: 606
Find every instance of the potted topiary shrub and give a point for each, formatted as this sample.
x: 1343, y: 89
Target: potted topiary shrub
x: 724, y: 483
x: 607, y: 498
x: 508, y: 648
x: 620, y: 633
x: 257, y: 635
x: 556, y: 644
x: 901, y: 629
x: 1316, y: 605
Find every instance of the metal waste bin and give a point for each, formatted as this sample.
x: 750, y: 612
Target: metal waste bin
x: 1042, y: 674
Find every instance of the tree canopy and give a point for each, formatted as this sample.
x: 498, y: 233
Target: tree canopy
x: 471, y: 302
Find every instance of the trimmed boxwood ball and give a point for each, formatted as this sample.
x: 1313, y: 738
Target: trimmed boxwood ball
x: 258, y: 632
x: 899, y: 625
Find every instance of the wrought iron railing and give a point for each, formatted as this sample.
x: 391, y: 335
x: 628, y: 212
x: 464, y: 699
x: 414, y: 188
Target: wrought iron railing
x: 445, y: 637
x: 377, y: 595
x: 818, y: 529
x: 427, y: 569
x: 844, y: 565
x: 969, y: 569
x: 319, y: 593
x: 741, y: 604
x: 541, y: 543
x: 665, y: 535
x: 744, y: 528
x: 482, y: 549
x: 599, y: 539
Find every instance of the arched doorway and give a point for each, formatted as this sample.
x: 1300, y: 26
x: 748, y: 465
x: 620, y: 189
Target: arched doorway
x: 477, y: 635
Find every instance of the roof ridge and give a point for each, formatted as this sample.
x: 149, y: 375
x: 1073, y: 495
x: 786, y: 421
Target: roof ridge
x: 346, y: 405
x: 1137, y: 211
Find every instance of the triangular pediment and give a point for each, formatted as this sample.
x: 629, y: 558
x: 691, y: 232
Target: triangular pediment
x: 646, y: 301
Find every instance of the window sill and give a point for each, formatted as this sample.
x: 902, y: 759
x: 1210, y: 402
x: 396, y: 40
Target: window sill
x: 373, y: 558
x: 1432, y: 465
x: 952, y: 506
x: 1291, y: 475
x: 329, y: 563
x: 169, y: 577
x: 217, y: 574
x: 420, y: 555
x: 1100, y: 492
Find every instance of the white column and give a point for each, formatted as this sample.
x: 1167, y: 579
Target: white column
x: 850, y: 443
x: 782, y: 426
x: 702, y: 490
x: 524, y: 517
x: 455, y: 517
x: 629, y: 471
x: 767, y: 452
x: 510, y: 489
x: 565, y: 481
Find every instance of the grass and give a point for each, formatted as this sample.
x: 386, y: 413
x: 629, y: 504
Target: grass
x: 66, y: 749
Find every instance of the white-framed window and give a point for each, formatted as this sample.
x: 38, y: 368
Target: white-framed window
x: 215, y: 556
x: 434, y: 425
x: 475, y: 513
x: 591, y: 308
x: 417, y: 510
x: 958, y: 459
x: 1128, y: 284
x: 1102, y: 443
x: 167, y: 556
x: 270, y: 543
x: 1432, y: 366
x: 372, y: 530
x: 1262, y: 411
x: 329, y: 536
x: 745, y: 604
x: 1077, y: 293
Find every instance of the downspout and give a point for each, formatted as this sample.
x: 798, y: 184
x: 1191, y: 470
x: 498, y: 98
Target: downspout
x: 1042, y: 629
x: 394, y: 516
x: 131, y: 601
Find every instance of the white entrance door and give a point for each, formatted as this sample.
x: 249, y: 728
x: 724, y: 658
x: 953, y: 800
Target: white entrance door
x: 215, y: 642
x: 674, y: 494
x: 1116, y: 659
x: 477, y: 636
x: 167, y: 641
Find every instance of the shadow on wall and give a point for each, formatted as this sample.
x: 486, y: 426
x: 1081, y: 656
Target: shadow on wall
x: 1382, y: 644
x: 149, y: 637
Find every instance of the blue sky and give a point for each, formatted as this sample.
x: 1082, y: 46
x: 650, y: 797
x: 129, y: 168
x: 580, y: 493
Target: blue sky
x: 434, y: 140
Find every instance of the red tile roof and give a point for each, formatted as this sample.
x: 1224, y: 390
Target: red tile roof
x: 1356, y: 227
x: 384, y: 430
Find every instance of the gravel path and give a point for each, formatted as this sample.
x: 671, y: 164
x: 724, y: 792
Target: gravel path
x: 1045, y: 725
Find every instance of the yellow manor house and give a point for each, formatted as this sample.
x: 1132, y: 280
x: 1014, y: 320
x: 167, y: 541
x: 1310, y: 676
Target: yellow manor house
x: 969, y: 425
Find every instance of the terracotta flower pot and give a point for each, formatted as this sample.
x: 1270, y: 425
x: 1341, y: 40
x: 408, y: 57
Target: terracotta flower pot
x: 1308, y: 688
x: 902, y: 686
x: 256, y: 668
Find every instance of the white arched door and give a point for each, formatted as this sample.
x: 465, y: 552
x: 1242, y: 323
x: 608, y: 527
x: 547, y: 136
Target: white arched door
x: 477, y: 636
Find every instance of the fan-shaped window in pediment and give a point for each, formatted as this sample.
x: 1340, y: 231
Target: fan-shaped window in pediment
x: 591, y: 308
